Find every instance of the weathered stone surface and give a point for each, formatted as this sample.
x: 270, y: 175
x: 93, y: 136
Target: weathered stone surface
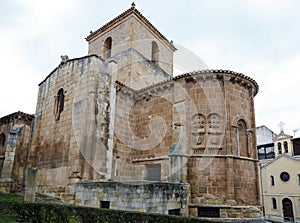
x: 15, y: 133
x: 31, y: 184
x: 154, y: 197
x: 113, y: 116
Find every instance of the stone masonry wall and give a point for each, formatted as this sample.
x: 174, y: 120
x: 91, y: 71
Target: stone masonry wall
x: 68, y: 144
x: 16, y: 129
x: 135, y: 196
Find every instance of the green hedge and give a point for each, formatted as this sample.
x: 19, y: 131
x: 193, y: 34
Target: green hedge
x: 57, y: 213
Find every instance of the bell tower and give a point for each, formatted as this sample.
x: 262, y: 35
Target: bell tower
x: 131, y: 39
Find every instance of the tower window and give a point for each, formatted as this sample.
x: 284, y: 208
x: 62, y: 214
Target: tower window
x: 107, y: 48
x: 274, y: 203
x: 155, y: 53
x: 285, y: 145
x: 279, y: 148
x: 59, y: 103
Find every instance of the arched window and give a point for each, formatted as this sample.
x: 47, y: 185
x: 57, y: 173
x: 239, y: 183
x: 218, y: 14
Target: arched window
x: 272, y: 181
x: 107, y: 48
x: 2, y: 141
x: 2, y: 151
x: 59, y: 103
x: 285, y: 146
x: 279, y: 148
x: 242, y: 138
x: 274, y: 203
x: 155, y: 53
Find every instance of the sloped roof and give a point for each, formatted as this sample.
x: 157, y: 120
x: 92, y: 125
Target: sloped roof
x: 282, y: 135
x: 16, y: 115
x: 279, y: 157
x: 131, y: 11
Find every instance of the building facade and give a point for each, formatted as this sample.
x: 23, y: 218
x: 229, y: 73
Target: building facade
x: 281, y: 189
x: 115, y: 129
x: 265, y: 143
x: 15, y: 134
x: 280, y: 176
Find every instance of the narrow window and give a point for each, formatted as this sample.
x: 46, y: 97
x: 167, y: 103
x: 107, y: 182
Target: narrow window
x: 2, y: 141
x: 2, y: 151
x: 272, y: 181
x: 285, y: 145
x: 107, y: 48
x: 274, y: 203
x: 174, y: 211
x: 104, y: 204
x: 209, y: 212
x: 279, y: 148
x: 298, y: 179
x: 155, y: 53
x: 59, y: 103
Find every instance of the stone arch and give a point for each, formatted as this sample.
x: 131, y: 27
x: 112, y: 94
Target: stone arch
x: 107, y: 48
x: 236, y: 118
x: 155, y: 53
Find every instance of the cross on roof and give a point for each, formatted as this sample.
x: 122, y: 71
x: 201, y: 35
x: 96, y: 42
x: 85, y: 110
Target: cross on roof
x: 280, y: 125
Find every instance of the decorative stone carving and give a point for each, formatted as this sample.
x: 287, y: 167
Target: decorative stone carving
x: 64, y: 59
x: 214, y: 122
x: 198, y: 123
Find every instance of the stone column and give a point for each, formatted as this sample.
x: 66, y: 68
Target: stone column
x: 31, y: 181
x: 178, y: 170
x: 112, y: 70
x: 228, y: 141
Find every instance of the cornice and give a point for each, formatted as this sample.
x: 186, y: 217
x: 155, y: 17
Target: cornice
x: 209, y: 74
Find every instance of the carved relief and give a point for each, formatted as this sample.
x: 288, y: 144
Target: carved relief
x: 214, y: 122
x: 198, y: 129
x: 198, y: 123
x: 206, y: 134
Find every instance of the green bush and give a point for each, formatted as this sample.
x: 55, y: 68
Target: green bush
x: 58, y: 213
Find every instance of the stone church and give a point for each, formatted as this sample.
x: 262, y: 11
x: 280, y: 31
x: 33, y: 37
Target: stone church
x: 115, y: 129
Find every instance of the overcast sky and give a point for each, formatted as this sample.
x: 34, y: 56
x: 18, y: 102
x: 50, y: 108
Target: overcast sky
x: 259, y: 38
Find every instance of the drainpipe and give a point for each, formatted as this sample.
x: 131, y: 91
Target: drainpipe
x: 262, y: 192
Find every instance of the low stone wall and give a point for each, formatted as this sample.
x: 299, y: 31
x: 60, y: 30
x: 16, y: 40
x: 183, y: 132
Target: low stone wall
x: 143, y: 196
x: 6, y: 184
